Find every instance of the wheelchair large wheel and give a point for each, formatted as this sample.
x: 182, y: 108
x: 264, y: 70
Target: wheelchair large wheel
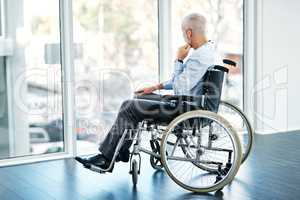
x: 207, y: 165
x: 240, y: 123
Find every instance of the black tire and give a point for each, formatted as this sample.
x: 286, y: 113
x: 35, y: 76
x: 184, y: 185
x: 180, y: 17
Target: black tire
x: 134, y: 172
x: 156, y: 163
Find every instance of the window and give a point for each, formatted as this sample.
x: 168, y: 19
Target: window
x: 225, y: 28
x: 34, y: 83
x: 116, y: 52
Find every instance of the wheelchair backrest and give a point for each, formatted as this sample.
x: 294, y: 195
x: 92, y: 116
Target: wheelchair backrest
x: 211, y: 85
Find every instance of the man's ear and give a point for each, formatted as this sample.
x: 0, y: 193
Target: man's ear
x: 189, y: 33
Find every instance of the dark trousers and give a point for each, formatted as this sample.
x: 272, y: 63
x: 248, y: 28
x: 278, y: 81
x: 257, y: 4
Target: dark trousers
x: 134, y: 111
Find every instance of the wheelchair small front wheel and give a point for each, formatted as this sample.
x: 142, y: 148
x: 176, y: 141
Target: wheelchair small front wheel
x: 134, y: 172
x: 183, y: 151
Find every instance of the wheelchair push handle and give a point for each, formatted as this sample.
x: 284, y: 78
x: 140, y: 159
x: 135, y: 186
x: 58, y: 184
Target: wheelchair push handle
x: 229, y: 62
x: 221, y: 68
x: 225, y: 69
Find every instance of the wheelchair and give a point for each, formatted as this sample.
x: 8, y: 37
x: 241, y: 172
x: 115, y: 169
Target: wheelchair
x: 201, y: 150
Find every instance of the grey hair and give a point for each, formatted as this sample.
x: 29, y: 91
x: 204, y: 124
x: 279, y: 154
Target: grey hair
x: 196, y: 22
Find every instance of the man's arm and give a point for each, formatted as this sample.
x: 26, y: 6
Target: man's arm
x: 178, y: 69
x: 168, y: 85
x: 178, y: 66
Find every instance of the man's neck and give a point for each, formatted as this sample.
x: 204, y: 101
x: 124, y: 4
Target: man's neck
x: 199, y: 43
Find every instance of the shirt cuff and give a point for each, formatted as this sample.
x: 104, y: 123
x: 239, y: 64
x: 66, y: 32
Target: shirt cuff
x: 178, y: 67
x: 168, y: 85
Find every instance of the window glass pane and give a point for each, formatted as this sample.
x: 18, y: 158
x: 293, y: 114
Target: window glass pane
x: 116, y: 51
x: 225, y: 28
x: 34, y: 80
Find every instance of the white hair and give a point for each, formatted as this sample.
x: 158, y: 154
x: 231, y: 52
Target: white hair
x: 196, y: 22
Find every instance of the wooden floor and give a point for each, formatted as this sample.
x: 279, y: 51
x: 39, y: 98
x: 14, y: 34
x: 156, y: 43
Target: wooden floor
x: 271, y: 172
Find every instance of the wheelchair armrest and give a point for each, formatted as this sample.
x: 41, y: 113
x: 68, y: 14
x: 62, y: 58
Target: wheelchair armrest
x: 184, y: 98
x: 179, y: 98
x: 152, y: 96
x: 168, y: 97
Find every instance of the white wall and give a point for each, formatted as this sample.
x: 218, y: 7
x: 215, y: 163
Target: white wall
x: 278, y: 66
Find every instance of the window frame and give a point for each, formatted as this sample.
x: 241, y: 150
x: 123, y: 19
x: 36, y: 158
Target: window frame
x: 2, y: 19
x: 68, y: 78
x: 250, y: 51
x: 164, y: 39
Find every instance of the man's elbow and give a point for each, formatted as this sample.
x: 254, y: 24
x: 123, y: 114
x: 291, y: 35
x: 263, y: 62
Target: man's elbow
x: 184, y: 88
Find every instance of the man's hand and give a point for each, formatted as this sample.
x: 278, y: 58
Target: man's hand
x: 149, y: 90
x: 183, y: 52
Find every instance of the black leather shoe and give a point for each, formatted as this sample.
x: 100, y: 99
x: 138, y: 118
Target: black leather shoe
x: 98, y: 160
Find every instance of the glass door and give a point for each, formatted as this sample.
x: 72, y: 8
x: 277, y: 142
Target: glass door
x: 31, y: 120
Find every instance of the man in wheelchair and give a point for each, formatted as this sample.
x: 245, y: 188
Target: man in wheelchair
x: 186, y: 80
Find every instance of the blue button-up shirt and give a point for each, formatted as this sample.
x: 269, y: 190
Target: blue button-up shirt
x: 187, y: 76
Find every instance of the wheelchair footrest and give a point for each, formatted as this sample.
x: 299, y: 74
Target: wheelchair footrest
x: 98, y: 169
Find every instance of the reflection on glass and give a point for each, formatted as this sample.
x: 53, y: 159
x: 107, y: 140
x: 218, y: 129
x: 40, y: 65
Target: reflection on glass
x: 225, y: 28
x: 34, y: 83
x: 116, y: 51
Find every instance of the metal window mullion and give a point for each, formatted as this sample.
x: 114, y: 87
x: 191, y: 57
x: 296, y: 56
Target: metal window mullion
x: 164, y: 37
x: 250, y: 65
x: 9, y: 84
x: 2, y: 22
x: 66, y: 28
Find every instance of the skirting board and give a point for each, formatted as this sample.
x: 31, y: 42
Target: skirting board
x: 267, y: 132
x: 32, y: 159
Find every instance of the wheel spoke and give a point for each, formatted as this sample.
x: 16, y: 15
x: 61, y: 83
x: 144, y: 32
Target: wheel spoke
x: 175, y: 146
